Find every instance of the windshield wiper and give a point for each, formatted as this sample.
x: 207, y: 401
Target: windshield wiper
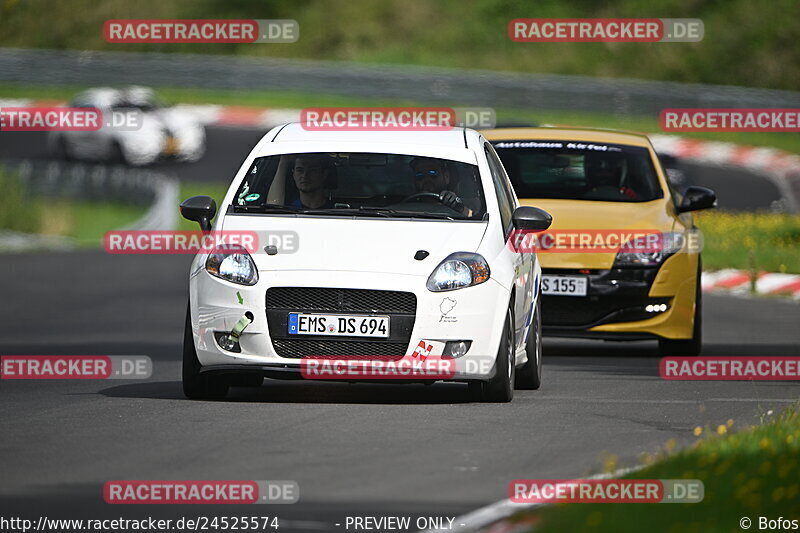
x: 267, y: 208
x: 364, y: 211
x: 344, y: 211
x: 406, y: 213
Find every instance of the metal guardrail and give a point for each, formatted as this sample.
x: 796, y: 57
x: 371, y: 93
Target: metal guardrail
x: 422, y: 84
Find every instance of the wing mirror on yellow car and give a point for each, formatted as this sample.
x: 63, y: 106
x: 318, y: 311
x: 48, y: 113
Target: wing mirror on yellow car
x: 696, y: 198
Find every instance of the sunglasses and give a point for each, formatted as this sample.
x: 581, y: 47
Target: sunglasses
x: 426, y: 174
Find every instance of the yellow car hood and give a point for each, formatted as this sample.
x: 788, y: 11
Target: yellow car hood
x: 577, y: 215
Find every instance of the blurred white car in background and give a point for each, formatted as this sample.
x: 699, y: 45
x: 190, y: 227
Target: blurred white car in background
x: 160, y: 133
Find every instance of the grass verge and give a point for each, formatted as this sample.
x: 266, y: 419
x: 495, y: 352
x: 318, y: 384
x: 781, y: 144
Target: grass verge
x: 19, y: 211
x: 84, y: 222
x: 751, y: 241
x: 752, y: 473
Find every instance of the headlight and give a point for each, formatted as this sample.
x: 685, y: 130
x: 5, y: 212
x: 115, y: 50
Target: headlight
x: 650, y: 250
x: 458, y: 270
x: 232, y: 263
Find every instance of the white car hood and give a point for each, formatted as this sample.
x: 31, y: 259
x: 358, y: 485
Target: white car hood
x: 358, y: 244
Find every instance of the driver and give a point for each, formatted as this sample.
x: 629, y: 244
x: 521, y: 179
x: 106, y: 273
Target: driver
x: 432, y: 176
x: 311, y: 173
x: 606, y: 173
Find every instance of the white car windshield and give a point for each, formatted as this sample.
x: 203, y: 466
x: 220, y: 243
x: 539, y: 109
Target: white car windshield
x: 368, y: 184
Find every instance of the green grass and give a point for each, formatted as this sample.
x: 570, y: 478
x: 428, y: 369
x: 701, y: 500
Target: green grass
x: 286, y: 99
x: 18, y: 212
x: 92, y: 219
x: 83, y: 221
x: 751, y: 241
x: 746, y: 43
x: 752, y: 473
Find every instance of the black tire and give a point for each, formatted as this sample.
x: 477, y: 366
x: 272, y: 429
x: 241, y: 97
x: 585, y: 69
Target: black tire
x: 500, y: 388
x: 62, y: 150
x: 476, y: 391
x: 690, y: 347
x: 117, y: 155
x: 196, y: 385
x: 529, y: 375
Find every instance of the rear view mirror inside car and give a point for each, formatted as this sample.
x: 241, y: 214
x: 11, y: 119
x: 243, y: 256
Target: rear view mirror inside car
x: 365, y: 160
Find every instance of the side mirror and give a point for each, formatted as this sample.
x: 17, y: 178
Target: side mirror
x: 696, y: 198
x: 200, y: 209
x: 531, y: 218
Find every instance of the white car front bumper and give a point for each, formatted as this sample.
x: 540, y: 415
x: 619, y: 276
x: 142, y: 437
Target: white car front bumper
x: 474, y: 313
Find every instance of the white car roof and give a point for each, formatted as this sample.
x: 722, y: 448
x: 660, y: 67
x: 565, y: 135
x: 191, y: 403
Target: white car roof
x: 446, y: 144
x: 99, y: 96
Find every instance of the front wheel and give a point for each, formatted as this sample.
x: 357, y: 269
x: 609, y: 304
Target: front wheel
x: 689, y: 347
x: 196, y: 385
x: 116, y: 154
x: 500, y: 388
x: 62, y: 150
x: 529, y: 375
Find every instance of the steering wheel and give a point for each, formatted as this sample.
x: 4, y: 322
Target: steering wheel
x: 420, y: 195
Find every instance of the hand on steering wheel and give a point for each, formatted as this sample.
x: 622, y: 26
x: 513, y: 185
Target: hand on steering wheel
x: 451, y: 200
x: 447, y: 198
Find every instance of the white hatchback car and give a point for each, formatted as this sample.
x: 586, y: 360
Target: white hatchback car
x: 160, y: 132
x: 396, y: 240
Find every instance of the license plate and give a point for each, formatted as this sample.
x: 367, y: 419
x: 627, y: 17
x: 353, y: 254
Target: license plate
x: 338, y: 325
x: 564, y: 285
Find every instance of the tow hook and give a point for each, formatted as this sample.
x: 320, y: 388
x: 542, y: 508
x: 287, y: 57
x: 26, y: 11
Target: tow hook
x: 230, y: 341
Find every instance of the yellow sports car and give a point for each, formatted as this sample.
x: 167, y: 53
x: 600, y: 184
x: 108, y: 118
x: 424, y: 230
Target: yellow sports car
x: 622, y: 258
